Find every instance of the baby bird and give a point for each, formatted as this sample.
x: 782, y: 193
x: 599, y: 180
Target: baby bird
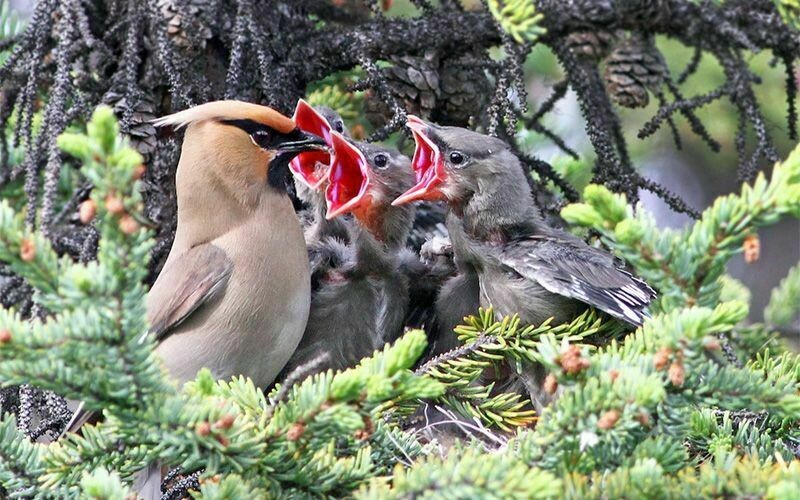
x: 360, y: 300
x: 310, y: 171
x: 499, y: 239
x: 523, y: 265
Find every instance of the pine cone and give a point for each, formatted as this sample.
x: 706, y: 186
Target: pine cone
x: 592, y: 12
x: 464, y: 89
x: 185, y: 23
x: 643, y: 12
x: 414, y: 81
x: 136, y: 122
x: 591, y: 45
x: 444, y: 91
x: 633, y: 67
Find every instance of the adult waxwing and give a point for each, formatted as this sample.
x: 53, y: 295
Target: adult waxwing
x: 360, y: 301
x: 233, y: 295
x: 523, y: 265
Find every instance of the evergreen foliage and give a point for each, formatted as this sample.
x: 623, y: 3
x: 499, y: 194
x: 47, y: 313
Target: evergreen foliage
x: 784, y: 303
x: 660, y: 412
x: 518, y: 18
x: 697, y: 402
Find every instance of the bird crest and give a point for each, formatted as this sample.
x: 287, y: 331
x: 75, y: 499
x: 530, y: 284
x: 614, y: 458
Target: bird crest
x: 228, y: 110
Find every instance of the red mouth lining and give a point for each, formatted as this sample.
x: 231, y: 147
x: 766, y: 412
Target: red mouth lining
x: 427, y: 164
x: 311, y: 166
x: 348, y: 178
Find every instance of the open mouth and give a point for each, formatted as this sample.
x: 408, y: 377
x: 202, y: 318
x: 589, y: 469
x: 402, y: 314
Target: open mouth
x: 348, y: 178
x: 427, y: 164
x: 311, y: 167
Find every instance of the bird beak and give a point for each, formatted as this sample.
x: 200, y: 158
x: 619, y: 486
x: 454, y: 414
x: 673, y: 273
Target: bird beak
x: 311, y: 167
x: 299, y: 142
x: 349, y: 178
x: 427, y: 163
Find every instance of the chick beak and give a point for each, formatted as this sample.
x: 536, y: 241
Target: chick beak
x: 427, y: 163
x: 349, y: 179
x: 311, y: 167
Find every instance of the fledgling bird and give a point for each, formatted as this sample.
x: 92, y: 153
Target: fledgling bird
x: 310, y: 171
x: 360, y: 301
x: 234, y: 293
x: 523, y: 266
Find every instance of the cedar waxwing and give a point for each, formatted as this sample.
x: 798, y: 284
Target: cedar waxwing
x: 521, y: 264
x: 310, y: 171
x: 360, y: 298
x: 524, y: 266
x: 234, y: 293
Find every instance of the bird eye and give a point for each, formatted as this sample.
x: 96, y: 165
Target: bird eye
x: 338, y: 126
x: 457, y: 158
x: 261, y: 138
x: 380, y: 160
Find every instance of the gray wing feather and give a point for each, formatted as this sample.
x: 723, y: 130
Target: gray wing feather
x: 80, y: 417
x: 576, y: 270
x: 192, y: 279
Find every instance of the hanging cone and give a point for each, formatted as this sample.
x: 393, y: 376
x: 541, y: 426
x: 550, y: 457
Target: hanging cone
x: 591, y: 45
x: 634, y: 67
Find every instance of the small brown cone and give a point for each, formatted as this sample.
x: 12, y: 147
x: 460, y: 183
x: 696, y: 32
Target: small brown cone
x: 613, y: 374
x: 590, y: 45
x: 114, y: 205
x: 295, y: 432
x: 550, y: 384
x: 677, y: 374
x: 128, y: 224
x: 225, y: 422
x: 661, y: 358
x: 571, y: 360
x: 752, y: 248
x: 634, y: 67
x: 203, y: 429
x: 608, y: 420
x: 87, y: 211
x: 27, y: 250
x: 5, y: 336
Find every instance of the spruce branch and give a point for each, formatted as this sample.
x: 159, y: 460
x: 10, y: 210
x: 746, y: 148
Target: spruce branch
x: 784, y: 302
x: 686, y: 266
x: 490, y: 342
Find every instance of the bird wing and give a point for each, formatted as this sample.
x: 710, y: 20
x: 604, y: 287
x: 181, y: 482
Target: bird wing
x: 183, y: 286
x: 429, y: 221
x: 191, y: 280
x: 576, y: 270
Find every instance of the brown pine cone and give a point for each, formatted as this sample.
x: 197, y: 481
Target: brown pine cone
x: 185, y: 24
x: 591, y: 45
x: 137, y: 123
x: 633, y: 67
x: 446, y: 91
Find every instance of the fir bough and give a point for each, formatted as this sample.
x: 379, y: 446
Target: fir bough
x: 784, y: 303
x: 518, y: 18
x: 685, y: 266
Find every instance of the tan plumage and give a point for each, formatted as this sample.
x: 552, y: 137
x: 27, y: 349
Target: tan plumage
x: 226, y: 110
x: 234, y: 292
